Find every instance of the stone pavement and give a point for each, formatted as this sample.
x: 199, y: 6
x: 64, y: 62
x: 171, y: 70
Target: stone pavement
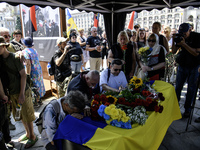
x: 176, y: 137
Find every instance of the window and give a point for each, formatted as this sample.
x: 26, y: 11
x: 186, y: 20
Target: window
x: 145, y: 18
x: 156, y: 17
x: 177, y: 15
x: 150, y: 18
x: 163, y: 17
x: 169, y: 16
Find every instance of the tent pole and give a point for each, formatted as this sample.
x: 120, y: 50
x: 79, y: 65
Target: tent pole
x: 112, y: 17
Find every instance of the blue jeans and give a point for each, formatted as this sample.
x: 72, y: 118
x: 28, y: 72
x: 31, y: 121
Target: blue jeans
x: 76, y: 66
x: 190, y: 75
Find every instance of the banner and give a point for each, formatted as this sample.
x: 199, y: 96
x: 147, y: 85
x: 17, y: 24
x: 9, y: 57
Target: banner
x: 70, y: 23
x: 130, y: 25
x: 96, y: 19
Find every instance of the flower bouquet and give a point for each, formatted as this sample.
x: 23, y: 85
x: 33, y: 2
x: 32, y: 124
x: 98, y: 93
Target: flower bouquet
x: 145, y: 53
x: 129, y: 106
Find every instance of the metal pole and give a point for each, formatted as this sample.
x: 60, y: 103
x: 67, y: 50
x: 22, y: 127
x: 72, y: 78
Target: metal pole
x: 112, y: 17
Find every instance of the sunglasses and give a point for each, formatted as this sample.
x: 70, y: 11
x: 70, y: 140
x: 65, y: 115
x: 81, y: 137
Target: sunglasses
x: 142, y: 29
x: 152, y: 41
x: 118, y: 70
x: 136, y: 27
x: 6, y: 36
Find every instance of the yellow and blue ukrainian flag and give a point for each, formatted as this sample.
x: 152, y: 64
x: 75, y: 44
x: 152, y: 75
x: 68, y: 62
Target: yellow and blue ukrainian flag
x: 70, y: 23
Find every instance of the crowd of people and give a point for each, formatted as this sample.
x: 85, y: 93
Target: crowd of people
x: 77, y: 85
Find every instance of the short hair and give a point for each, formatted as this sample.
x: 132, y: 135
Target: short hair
x: 93, y: 28
x: 75, y: 99
x: 17, y: 32
x: 71, y: 35
x: 72, y: 31
x: 122, y: 33
x: 158, y: 23
x: 2, y: 29
x: 116, y: 62
x: 152, y: 36
x: 128, y: 31
x: 80, y: 30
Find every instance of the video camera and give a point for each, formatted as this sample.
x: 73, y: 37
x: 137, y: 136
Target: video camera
x: 178, y: 38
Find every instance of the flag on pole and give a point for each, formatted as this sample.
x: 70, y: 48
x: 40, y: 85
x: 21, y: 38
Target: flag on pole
x: 130, y: 25
x: 96, y: 19
x: 33, y: 26
x: 70, y: 23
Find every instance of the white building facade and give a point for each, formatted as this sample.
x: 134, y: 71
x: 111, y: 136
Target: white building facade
x: 86, y: 20
x: 170, y: 17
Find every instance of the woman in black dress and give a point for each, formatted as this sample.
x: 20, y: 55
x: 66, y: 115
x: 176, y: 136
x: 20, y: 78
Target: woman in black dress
x: 125, y: 51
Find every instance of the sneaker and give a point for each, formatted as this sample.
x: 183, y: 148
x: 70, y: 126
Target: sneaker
x: 11, y: 126
x: 186, y: 114
x: 197, y: 120
x: 10, y: 145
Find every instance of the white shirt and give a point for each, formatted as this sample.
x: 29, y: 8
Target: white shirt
x: 114, y: 81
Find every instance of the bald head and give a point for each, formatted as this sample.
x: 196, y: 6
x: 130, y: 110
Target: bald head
x: 92, y: 78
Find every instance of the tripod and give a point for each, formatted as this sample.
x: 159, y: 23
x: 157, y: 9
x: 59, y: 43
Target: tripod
x: 193, y: 104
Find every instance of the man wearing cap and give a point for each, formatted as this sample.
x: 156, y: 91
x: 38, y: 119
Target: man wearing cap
x: 62, y: 66
x: 5, y: 33
x: 188, y: 59
x: 19, y: 92
x: 94, y: 48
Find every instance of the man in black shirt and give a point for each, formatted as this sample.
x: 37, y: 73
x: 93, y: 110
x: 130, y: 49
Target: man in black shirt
x: 86, y: 82
x: 93, y: 46
x: 188, y: 60
x: 62, y: 66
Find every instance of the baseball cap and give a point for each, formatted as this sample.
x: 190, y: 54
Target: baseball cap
x: 28, y: 41
x: 184, y: 27
x: 3, y: 42
x: 60, y: 40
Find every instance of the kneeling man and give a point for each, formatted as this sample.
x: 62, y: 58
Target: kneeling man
x: 72, y: 104
x: 113, y: 79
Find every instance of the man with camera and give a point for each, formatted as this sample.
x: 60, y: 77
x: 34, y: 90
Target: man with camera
x: 62, y: 66
x: 94, y: 48
x: 188, y: 58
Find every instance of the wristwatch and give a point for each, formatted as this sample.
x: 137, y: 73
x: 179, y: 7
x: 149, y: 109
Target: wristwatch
x: 151, y: 68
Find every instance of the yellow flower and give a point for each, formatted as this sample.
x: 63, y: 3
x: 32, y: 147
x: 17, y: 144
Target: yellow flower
x: 112, y: 106
x: 111, y: 99
x: 107, y: 110
x: 146, y: 48
x: 125, y: 119
x: 137, y: 82
x: 114, y: 113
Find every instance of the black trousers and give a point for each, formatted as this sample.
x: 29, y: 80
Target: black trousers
x: 4, y: 126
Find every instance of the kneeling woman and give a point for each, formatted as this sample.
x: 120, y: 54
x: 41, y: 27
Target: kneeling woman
x: 75, y: 54
x: 156, y: 65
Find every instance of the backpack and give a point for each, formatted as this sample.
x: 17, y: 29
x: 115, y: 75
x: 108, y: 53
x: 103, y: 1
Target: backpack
x: 51, y: 67
x: 39, y: 121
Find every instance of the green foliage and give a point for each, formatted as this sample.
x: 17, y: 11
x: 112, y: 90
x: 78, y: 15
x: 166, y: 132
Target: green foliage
x: 18, y: 23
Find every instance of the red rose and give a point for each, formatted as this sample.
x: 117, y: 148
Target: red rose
x: 107, y: 104
x: 133, y: 104
x: 149, y: 100
x: 121, y: 100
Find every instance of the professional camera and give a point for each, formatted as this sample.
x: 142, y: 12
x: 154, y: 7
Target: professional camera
x: 178, y: 38
x: 70, y: 47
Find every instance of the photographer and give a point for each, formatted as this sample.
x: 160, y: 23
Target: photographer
x: 94, y: 48
x: 62, y: 66
x: 188, y: 59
